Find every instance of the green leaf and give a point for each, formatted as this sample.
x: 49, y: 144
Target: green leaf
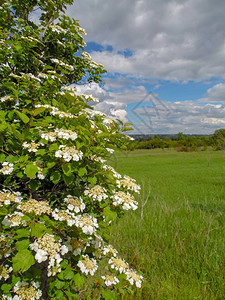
x: 53, y: 147
x: 55, y: 177
x: 41, y: 152
x: 68, y: 179
x: 22, y: 233
x: 92, y: 180
x: 3, y: 211
x: 23, y: 260
x: 38, y: 229
x: 23, y: 117
x: 2, y: 157
x: 68, y: 274
x: 21, y: 245
x: 38, y: 111
x: 79, y: 280
x: 109, y: 214
x: 31, y: 171
x: 109, y: 295
x: 67, y: 170
x: 82, y: 172
x: 6, y: 288
x: 34, y: 184
x: 59, y: 284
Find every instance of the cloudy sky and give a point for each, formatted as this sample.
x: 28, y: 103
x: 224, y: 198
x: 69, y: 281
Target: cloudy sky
x: 165, y: 61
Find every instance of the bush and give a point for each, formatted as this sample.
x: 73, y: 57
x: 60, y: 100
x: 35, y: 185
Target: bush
x: 58, y: 196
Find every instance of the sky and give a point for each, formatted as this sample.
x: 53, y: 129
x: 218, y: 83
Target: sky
x: 165, y: 61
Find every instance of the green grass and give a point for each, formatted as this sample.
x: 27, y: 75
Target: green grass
x: 179, y: 241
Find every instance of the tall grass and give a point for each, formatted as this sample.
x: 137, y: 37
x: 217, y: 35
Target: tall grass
x: 178, y: 240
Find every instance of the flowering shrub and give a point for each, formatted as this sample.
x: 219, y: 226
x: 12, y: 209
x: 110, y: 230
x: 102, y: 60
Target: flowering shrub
x: 57, y: 194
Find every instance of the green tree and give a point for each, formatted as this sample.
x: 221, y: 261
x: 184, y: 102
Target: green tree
x: 58, y: 196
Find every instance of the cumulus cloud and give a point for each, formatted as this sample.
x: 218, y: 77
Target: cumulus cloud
x: 149, y: 114
x: 175, y: 40
x: 186, y: 116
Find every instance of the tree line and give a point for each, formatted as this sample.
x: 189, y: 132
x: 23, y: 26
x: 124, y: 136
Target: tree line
x: 182, y: 142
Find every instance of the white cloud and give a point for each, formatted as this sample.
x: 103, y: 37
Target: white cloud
x: 152, y: 115
x: 175, y: 40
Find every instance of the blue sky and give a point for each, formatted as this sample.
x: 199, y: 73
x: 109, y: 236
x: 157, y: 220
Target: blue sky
x: 165, y: 62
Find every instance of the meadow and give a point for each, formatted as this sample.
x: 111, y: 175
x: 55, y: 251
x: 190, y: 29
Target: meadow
x: 176, y: 238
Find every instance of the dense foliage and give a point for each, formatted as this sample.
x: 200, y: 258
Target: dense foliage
x: 57, y: 194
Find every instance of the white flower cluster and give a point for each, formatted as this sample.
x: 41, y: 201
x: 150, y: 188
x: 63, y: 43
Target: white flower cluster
x: 32, y: 146
x: 36, y: 207
x: 110, y: 280
x: 30, y: 76
x: 74, y: 203
x: 5, y: 246
x: 5, y: 271
x: 96, y: 193
x: 110, y: 150
x: 64, y: 215
x: 47, y: 248
x: 60, y: 133
x: 111, y: 169
x: 125, y: 199
x: 123, y: 267
x: 87, y: 223
x: 7, y: 197
x: 87, y: 265
x: 93, y: 64
x: 49, y: 136
x: 25, y: 291
x: 133, y: 277
x: 55, y: 111
x: 69, y: 153
x: 90, y: 98
x: 7, y: 168
x: 14, y: 219
x: 81, y: 31
x: 97, y: 158
x: 129, y: 183
x: 58, y: 29
x: 66, y: 134
x: 118, y: 264
x: 92, y: 113
x: 109, y: 250
x: 62, y: 64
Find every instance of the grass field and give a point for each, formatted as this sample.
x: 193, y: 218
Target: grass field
x: 178, y: 243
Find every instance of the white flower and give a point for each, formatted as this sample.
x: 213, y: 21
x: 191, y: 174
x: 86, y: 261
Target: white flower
x: 127, y: 200
x: 87, y: 223
x: 110, y: 250
x: 87, y: 265
x: 7, y: 197
x: 74, y: 203
x: 66, y: 134
x: 7, y: 168
x: 64, y: 249
x: 110, y: 280
x: 111, y: 169
x: 133, y: 277
x: 49, y: 136
x: 64, y: 215
x: 129, y: 183
x: 14, y: 219
x: 110, y: 150
x: 118, y: 264
x: 41, y: 255
x: 69, y: 153
x: 97, y: 193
